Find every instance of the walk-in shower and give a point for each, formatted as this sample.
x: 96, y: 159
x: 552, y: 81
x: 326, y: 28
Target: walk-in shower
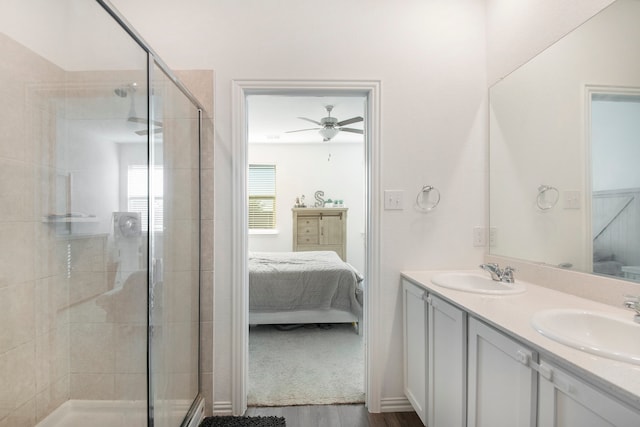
x: 99, y: 224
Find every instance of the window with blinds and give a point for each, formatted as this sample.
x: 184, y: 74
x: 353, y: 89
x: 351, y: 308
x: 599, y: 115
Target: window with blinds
x: 261, y: 185
x: 137, y: 200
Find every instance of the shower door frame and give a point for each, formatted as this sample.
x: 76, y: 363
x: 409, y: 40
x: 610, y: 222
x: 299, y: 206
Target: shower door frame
x: 154, y: 60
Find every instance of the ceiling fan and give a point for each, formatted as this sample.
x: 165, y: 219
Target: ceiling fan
x: 330, y: 126
x: 130, y: 90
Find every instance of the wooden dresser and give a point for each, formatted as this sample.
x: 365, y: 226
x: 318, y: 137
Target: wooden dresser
x: 320, y: 229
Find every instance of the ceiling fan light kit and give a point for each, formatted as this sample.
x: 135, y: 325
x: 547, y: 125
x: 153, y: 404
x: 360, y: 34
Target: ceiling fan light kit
x: 330, y: 126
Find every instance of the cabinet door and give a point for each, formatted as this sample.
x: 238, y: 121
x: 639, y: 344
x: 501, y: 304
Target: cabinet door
x: 502, y: 388
x: 566, y: 401
x: 331, y: 230
x: 447, y: 362
x: 415, y: 346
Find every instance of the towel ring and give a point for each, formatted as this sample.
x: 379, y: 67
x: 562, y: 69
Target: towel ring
x: 422, y: 199
x: 541, y: 199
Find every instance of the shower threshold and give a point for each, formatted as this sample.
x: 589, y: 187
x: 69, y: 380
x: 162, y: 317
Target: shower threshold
x: 117, y: 413
x: 98, y: 413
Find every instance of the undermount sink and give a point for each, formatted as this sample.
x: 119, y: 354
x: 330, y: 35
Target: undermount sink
x: 597, y: 333
x: 477, y: 283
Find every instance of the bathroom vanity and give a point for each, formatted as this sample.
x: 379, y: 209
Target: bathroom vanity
x: 473, y: 358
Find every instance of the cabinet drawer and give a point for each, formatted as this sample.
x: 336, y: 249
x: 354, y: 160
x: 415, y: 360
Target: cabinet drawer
x: 307, y: 230
x: 308, y: 239
x: 308, y: 221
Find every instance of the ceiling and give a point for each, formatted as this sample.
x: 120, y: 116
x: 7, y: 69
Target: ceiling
x: 270, y: 116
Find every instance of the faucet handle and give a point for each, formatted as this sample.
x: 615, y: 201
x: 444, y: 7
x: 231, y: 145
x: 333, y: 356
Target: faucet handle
x: 507, y: 274
x: 631, y: 301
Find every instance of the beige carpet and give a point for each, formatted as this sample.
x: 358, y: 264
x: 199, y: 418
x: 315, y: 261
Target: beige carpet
x: 305, y: 366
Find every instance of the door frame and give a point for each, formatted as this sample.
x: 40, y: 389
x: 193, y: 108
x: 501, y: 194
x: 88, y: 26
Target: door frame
x: 371, y: 90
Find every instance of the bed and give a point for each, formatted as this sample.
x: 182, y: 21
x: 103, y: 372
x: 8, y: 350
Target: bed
x: 303, y: 287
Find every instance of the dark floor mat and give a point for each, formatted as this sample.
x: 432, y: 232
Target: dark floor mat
x: 227, y: 421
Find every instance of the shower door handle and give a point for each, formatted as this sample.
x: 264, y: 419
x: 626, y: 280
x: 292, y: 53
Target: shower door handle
x: 156, y: 270
x: 156, y: 277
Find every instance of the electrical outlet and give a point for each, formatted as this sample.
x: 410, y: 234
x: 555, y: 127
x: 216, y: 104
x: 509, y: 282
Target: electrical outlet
x: 571, y: 199
x: 493, y: 236
x: 479, y: 236
x: 393, y: 199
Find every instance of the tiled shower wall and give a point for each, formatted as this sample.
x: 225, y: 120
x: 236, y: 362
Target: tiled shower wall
x: 34, y: 332
x: 63, y: 334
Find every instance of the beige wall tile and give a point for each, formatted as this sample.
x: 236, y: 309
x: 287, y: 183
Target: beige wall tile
x: 17, y: 315
x: 206, y: 347
x: 206, y: 296
x: 200, y: 84
x: 92, y: 386
x: 92, y: 348
x: 24, y: 416
x: 206, y: 245
x: 206, y: 150
x: 51, y: 398
x: 131, y: 386
x: 131, y: 349
x: 206, y: 202
x: 17, y: 376
x: 61, y: 364
x: 17, y: 247
x: 17, y: 190
x: 13, y: 136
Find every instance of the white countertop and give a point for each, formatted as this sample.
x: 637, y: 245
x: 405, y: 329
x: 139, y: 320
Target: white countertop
x: 512, y: 314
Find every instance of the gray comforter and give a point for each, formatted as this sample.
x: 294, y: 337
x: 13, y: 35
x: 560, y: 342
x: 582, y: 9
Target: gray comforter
x: 286, y: 281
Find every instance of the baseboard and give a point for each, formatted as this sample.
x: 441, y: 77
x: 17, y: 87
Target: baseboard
x: 222, y: 408
x: 395, y: 404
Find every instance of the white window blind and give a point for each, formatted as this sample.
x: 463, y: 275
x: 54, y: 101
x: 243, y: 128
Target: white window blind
x: 262, y: 196
x: 137, y: 200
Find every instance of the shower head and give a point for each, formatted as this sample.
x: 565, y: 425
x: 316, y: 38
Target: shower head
x: 121, y: 92
x: 124, y: 91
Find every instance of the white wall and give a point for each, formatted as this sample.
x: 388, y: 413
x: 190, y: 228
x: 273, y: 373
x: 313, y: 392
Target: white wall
x: 335, y: 168
x: 431, y: 59
x: 518, y: 30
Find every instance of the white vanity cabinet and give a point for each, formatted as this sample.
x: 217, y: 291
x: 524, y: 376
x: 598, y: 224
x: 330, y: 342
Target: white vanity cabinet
x: 447, y: 364
x: 566, y: 401
x: 502, y: 386
x: 434, y: 357
x: 414, y: 325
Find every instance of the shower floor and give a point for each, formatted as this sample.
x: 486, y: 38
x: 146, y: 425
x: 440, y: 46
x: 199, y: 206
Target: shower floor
x: 97, y: 413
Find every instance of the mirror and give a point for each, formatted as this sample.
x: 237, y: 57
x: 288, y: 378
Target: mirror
x: 565, y: 149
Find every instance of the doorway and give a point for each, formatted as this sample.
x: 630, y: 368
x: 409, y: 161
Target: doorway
x: 369, y: 93
x: 306, y: 200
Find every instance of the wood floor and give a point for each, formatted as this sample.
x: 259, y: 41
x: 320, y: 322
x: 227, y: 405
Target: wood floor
x: 337, y: 416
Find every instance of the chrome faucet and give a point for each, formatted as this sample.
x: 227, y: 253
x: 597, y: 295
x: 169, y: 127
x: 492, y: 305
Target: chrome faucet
x: 633, y: 303
x: 498, y: 274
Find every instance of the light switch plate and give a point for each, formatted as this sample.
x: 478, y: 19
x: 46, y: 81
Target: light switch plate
x: 393, y: 199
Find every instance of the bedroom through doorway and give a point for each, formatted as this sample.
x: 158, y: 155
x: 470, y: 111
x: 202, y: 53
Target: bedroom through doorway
x: 306, y: 251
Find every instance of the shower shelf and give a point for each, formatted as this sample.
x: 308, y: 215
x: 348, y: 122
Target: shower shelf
x: 68, y: 220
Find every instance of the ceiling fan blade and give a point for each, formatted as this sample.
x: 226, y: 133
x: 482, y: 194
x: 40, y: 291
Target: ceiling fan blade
x: 310, y: 120
x: 360, y: 131
x: 143, y: 121
x: 350, y: 121
x: 145, y: 132
x: 302, y: 130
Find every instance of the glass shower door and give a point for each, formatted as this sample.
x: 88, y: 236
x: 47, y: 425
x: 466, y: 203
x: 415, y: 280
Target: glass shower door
x: 174, y: 252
